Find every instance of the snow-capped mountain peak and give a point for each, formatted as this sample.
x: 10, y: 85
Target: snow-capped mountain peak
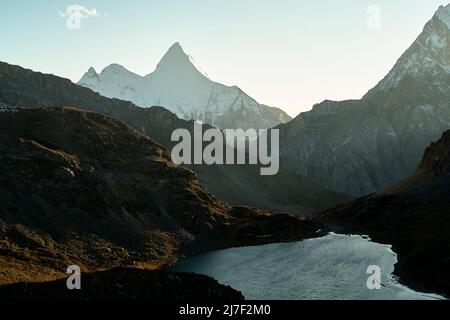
x: 90, y: 79
x: 427, y: 58
x: 118, y: 72
x: 92, y: 72
x: 181, y: 86
x: 444, y: 15
x: 114, y: 68
x: 176, y: 59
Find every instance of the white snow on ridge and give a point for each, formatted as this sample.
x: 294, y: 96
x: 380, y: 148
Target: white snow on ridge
x: 444, y: 15
x: 436, y: 41
x: 180, y: 85
x: 427, y: 54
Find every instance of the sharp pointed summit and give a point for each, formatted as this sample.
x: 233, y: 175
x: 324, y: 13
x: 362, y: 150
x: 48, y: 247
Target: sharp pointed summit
x: 176, y: 50
x: 91, y: 78
x: 177, y: 60
x: 174, y: 54
x: 426, y: 60
x: 181, y: 86
x: 444, y: 15
x: 176, y: 46
x: 92, y: 71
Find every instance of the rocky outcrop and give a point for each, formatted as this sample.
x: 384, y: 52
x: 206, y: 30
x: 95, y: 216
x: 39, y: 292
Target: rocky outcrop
x: 414, y: 217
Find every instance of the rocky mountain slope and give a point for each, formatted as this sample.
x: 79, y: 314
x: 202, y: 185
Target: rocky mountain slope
x: 82, y: 188
x: 362, y: 146
x: 414, y: 216
x: 243, y: 184
x: 239, y: 185
x: 284, y: 192
x: 179, y: 85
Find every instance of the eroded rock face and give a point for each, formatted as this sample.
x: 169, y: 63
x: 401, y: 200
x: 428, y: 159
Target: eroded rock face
x: 363, y: 146
x: 414, y: 216
x: 437, y: 157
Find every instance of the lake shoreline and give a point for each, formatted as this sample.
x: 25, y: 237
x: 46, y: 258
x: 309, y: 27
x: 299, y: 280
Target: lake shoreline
x: 357, y: 240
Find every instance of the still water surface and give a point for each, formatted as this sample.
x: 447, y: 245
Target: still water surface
x: 330, y: 267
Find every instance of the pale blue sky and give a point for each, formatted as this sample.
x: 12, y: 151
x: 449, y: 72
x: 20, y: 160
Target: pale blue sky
x: 285, y: 53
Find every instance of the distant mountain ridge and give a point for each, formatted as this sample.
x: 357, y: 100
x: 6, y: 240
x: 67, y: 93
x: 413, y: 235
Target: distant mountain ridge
x: 238, y: 185
x: 363, y: 146
x: 180, y: 85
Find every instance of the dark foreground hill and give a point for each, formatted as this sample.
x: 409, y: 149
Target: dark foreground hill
x: 81, y: 188
x: 126, y: 284
x: 413, y: 216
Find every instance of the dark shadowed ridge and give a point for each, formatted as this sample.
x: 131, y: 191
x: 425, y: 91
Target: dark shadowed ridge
x: 82, y: 188
x: 238, y: 185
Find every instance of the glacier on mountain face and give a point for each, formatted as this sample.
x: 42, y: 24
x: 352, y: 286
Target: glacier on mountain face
x: 180, y: 85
